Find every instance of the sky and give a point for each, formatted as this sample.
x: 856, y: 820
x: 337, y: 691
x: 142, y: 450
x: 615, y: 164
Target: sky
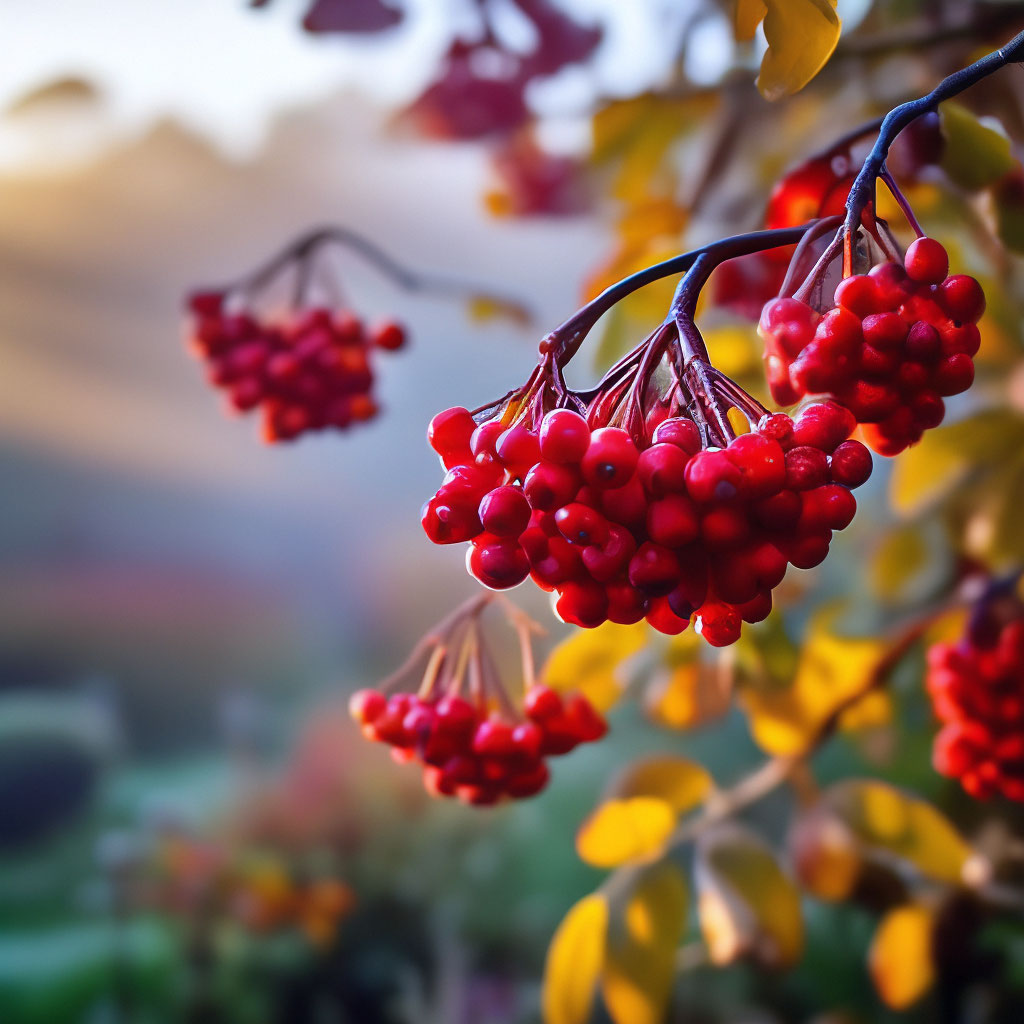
x: 193, y: 61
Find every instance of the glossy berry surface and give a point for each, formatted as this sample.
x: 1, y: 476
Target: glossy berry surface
x: 621, y: 528
x: 473, y: 750
x: 977, y: 692
x: 898, y: 341
x: 308, y: 371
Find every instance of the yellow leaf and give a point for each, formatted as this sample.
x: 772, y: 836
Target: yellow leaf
x: 483, y: 308
x: 892, y: 823
x: 873, y: 710
x: 589, y: 660
x: 801, y: 36
x: 574, y: 962
x: 747, y: 16
x: 689, y: 696
x: 831, y: 669
x: 900, y: 959
x: 734, y: 350
x: 621, y: 831
x: 747, y: 905
x: 940, y: 462
x: 681, y: 783
x: 640, y: 959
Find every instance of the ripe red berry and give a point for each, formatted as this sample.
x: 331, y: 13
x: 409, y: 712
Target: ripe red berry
x: 505, y: 511
x: 564, y: 436
x: 449, y: 434
x: 610, y: 459
x: 926, y: 261
x: 711, y: 476
x: 388, y: 335
x: 850, y: 464
x: 963, y: 298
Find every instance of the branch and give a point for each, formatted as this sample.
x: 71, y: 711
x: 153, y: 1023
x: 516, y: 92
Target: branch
x: 770, y: 775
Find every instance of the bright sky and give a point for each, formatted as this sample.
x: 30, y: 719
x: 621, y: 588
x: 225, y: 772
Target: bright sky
x: 225, y: 70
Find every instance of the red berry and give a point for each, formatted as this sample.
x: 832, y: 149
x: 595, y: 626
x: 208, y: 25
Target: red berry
x: 711, y: 476
x: 388, y: 335
x: 505, y: 511
x: 678, y: 431
x: 611, y: 458
x: 662, y: 469
x: 926, y: 261
x: 963, y: 298
x: 564, y: 436
x: 718, y: 623
x: 449, y: 434
x: 497, y: 563
x: 851, y: 464
x: 581, y: 524
x: 366, y: 705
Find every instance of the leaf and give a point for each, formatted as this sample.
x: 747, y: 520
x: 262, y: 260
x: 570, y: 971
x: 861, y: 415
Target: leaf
x: 640, y: 960
x: 1008, y: 202
x: 588, y: 662
x: 975, y: 155
x: 801, y: 36
x: 681, y: 783
x: 766, y: 652
x: 689, y: 696
x: 826, y: 854
x: 747, y: 16
x: 483, y: 308
x: 734, y: 349
x: 624, y: 831
x: 1005, y: 540
x: 910, y: 562
x: 945, y: 456
x: 890, y: 823
x: 783, y: 719
x: 574, y: 962
x: 746, y: 904
x: 900, y: 959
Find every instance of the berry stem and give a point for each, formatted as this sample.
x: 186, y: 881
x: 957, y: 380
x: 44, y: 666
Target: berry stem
x: 299, y: 253
x: 822, y: 227
x: 901, y: 199
x: 436, y: 638
x: 565, y: 340
x: 862, y: 193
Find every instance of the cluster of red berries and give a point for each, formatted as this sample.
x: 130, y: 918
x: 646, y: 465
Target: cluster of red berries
x: 898, y: 340
x: 309, y: 371
x: 977, y: 691
x: 472, y: 752
x: 664, y: 529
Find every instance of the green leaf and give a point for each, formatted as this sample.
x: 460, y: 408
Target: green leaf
x: 975, y: 155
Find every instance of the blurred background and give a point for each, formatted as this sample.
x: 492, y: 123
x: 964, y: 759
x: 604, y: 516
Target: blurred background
x: 190, y: 827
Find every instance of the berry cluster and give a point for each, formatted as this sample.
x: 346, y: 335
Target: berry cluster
x: 898, y: 340
x: 652, y: 524
x: 977, y: 691
x: 308, y: 371
x: 475, y: 753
